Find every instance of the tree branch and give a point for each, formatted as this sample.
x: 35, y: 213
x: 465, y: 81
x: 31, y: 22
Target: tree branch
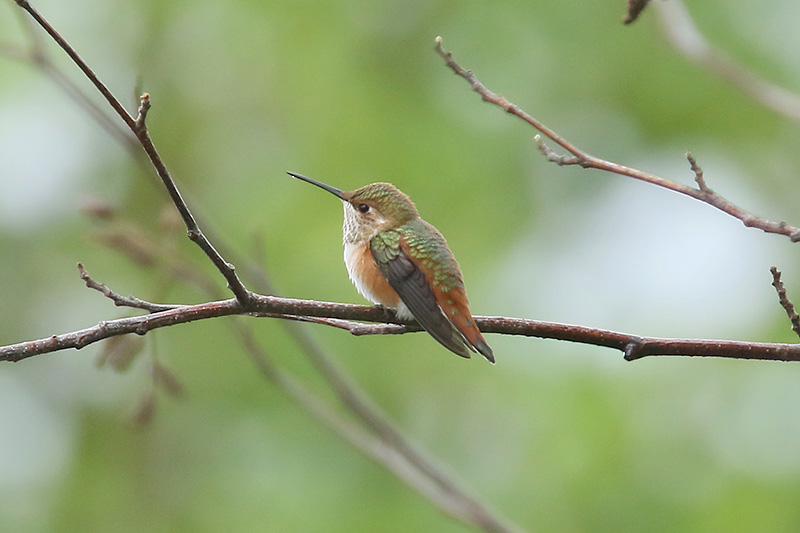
x: 583, y: 159
x: 682, y: 32
x: 139, y: 128
x: 37, y: 55
x: 193, y: 229
x: 110, y: 98
x: 341, y: 315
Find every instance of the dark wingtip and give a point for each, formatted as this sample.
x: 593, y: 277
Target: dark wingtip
x: 482, y: 348
x: 488, y: 354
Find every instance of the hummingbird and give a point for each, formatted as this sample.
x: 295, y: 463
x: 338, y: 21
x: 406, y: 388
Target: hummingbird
x: 397, y: 260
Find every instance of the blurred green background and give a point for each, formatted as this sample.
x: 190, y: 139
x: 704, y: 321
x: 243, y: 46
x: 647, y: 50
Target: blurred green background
x: 556, y: 436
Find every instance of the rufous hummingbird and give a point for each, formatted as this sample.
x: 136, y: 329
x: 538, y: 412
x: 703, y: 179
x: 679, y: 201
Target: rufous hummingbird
x: 396, y: 259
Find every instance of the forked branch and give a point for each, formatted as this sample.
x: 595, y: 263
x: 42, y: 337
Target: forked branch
x: 585, y: 160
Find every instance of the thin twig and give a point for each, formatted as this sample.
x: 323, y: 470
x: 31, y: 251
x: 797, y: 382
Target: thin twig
x: 118, y: 299
x: 37, y: 55
x: 698, y: 173
x: 586, y: 160
x: 784, y: 300
x: 110, y: 98
x: 193, y: 229
x: 347, y: 325
x: 356, y: 328
x: 138, y: 127
x: 358, y: 402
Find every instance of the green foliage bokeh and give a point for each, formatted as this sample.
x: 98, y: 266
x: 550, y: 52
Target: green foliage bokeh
x: 558, y: 437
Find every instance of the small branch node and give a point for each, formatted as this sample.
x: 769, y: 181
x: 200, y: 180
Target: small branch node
x: 144, y: 107
x: 698, y: 174
x: 631, y: 351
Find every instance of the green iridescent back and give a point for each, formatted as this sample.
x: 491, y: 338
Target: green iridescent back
x: 429, y: 250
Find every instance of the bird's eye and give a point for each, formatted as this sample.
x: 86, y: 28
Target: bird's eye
x: 363, y: 208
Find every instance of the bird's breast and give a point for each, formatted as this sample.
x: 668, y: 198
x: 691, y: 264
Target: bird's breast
x: 368, y: 279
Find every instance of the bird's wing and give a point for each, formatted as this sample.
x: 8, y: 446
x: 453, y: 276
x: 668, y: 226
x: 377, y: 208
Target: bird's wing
x: 456, y: 307
x: 409, y: 281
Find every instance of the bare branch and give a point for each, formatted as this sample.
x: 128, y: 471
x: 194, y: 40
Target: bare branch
x: 193, y: 229
x: 347, y: 325
x: 585, y: 160
x: 138, y: 127
x: 36, y: 55
x: 698, y: 173
x: 110, y: 98
x: 111, y: 328
x: 118, y: 299
x: 451, y: 497
x: 358, y: 329
x: 682, y: 32
x: 633, y: 346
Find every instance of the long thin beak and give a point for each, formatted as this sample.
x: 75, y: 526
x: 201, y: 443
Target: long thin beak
x: 332, y: 190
